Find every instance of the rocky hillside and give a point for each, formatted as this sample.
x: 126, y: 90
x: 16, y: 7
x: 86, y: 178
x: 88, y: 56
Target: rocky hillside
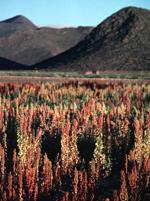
x: 121, y: 42
x: 23, y: 42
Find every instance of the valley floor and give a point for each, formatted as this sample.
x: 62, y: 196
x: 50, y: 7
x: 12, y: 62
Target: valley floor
x: 47, y: 76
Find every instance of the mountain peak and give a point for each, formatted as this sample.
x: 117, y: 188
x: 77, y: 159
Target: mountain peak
x: 15, y: 19
x: 133, y: 12
x: 122, y: 41
x: 20, y: 20
x: 133, y: 9
x: 123, y: 25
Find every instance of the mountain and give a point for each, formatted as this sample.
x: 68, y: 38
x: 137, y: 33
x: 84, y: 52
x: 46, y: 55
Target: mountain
x: 23, y: 42
x: 15, y: 24
x: 6, y: 64
x: 121, y: 42
x: 20, y: 20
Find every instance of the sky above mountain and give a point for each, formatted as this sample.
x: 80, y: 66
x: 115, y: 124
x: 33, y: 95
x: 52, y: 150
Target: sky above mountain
x: 60, y: 13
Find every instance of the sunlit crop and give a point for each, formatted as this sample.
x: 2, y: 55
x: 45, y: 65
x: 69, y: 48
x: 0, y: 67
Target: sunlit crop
x: 75, y: 141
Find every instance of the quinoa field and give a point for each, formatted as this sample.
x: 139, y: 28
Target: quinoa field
x: 75, y: 141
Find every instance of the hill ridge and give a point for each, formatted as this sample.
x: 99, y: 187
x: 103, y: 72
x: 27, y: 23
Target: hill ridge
x: 124, y: 33
x: 23, y: 42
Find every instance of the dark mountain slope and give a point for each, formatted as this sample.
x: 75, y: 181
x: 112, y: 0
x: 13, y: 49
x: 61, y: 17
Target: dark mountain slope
x: 23, y: 42
x: 6, y: 64
x: 32, y: 46
x: 120, y: 42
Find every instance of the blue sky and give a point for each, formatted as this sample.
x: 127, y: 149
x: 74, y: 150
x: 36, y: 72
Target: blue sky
x: 66, y: 12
